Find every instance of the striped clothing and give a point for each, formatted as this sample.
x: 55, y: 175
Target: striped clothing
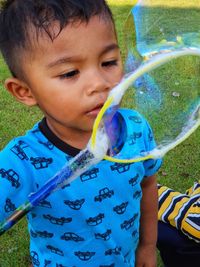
x: 181, y: 210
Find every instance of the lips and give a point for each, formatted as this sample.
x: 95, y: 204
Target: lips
x: 95, y: 111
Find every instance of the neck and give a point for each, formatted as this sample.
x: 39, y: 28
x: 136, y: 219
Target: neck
x: 74, y: 137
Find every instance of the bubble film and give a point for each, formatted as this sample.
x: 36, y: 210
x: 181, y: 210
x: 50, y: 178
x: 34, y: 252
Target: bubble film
x: 168, y: 96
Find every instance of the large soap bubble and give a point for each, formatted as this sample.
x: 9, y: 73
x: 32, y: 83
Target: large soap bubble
x: 162, y: 81
x: 169, y: 95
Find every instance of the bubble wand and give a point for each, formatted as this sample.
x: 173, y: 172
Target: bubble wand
x: 95, y: 151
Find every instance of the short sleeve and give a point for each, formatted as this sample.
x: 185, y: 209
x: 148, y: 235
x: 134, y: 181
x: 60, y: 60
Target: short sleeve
x: 151, y: 166
x: 15, y: 179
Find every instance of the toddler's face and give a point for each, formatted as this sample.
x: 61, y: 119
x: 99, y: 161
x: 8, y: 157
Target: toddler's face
x: 70, y: 77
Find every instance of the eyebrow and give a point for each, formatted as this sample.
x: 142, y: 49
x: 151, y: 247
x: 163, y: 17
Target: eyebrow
x: 109, y: 48
x: 65, y: 60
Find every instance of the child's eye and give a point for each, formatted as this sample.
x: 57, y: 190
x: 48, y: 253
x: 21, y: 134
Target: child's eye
x: 109, y: 63
x: 70, y: 74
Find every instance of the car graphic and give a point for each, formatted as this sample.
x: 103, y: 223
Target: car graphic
x: 127, y: 224
x: 84, y: 256
x: 115, y: 251
x: 135, y: 119
x: 35, y: 258
x: 60, y: 265
x: 43, y: 234
x: 103, y: 194
x: 75, y: 205
x: 44, y: 203
x: 58, y: 221
x: 89, y: 175
x: 41, y: 162
x: 137, y: 194
x: 11, y: 176
x: 133, y: 181
x: 46, y: 263
x: 55, y: 250
x: 69, y: 236
x: 110, y: 265
x: 105, y: 236
x: 47, y: 144
x: 93, y: 221
x: 133, y: 137
x: 18, y: 150
x: 9, y: 206
x: 120, y: 209
x: 120, y: 167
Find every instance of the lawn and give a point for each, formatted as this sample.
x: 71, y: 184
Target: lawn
x: 180, y: 168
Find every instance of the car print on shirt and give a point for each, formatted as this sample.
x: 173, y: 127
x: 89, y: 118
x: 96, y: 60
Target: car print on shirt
x: 41, y: 162
x: 120, y: 167
x: 35, y: 258
x: 11, y: 176
x: 127, y: 224
x: 137, y: 194
x: 152, y: 166
x: 18, y: 150
x: 120, y: 209
x: 150, y: 135
x: 135, y: 119
x: 105, y: 236
x: 69, y: 236
x: 75, y: 205
x: 133, y: 138
x: 46, y: 263
x: 61, y: 265
x: 9, y: 206
x: 110, y: 265
x: 47, y: 144
x: 58, y: 221
x: 45, y: 204
x: 115, y: 251
x: 93, y: 221
x: 134, y: 233
x: 43, y: 234
x: 133, y: 181
x: 84, y: 256
x: 89, y: 175
x: 103, y: 194
x: 55, y: 250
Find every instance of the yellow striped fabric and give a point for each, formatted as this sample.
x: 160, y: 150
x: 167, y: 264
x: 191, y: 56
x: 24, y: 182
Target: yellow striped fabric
x: 181, y: 210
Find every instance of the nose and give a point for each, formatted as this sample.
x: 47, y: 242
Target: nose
x: 97, y: 82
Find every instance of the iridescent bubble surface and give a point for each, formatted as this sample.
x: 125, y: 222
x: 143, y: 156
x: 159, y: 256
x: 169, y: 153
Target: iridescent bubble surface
x: 169, y: 95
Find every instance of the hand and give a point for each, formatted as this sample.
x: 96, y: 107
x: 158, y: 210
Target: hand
x: 146, y: 256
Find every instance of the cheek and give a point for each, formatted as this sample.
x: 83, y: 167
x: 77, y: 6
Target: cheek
x: 119, y: 75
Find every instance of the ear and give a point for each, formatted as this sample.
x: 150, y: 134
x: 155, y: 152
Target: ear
x: 21, y: 91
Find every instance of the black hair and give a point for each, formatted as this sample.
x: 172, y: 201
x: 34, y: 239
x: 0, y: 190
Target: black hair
x: 17, y: 16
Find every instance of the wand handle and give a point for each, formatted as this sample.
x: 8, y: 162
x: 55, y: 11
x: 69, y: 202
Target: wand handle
x: 15, y: 217
x: 66, y: 175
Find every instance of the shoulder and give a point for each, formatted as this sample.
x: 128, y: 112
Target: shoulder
x: 20, y: 150
x: 32, y: 153
x: 134, y: 120
x: 18, y: 143
x: 14, y: 154
x: 130, y: 113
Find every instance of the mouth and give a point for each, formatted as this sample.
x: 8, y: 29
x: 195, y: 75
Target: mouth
x: 95, y: 110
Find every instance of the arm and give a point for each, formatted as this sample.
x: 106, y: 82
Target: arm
x: 15, y: 182
x: 185, y: 213
x: 146, y: 252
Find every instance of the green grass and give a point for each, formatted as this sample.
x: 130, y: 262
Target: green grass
x: 180, y: 168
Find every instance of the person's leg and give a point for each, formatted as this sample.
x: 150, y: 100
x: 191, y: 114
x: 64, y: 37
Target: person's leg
x: 176, y: 250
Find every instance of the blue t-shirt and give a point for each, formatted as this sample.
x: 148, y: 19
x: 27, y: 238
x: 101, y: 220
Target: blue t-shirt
x: 93, y: 221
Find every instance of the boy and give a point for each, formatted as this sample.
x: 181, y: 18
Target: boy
x: 64, y: 58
